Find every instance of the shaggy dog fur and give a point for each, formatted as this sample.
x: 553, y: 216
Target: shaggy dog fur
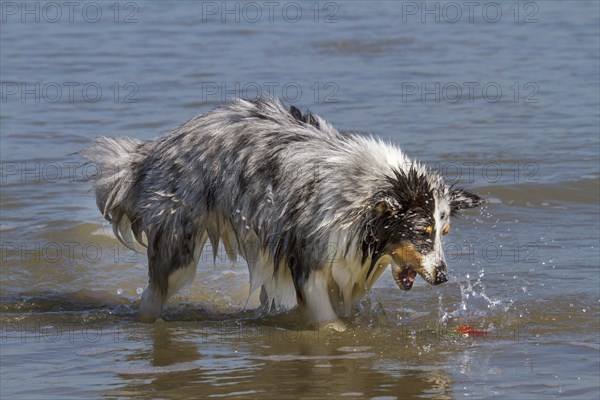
x: 316, y: 213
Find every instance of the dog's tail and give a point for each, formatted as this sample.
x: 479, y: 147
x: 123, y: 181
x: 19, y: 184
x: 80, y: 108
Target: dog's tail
x: 115, y: 161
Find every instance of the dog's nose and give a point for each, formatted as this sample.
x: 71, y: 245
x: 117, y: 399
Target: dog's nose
x: 440, y: 278
x: 440, y: 275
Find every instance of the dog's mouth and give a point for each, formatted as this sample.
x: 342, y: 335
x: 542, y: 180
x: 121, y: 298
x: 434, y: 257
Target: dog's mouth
x: 404, y: 276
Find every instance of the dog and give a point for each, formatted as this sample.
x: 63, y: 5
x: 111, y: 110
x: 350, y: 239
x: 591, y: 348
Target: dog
x: 318, y: 214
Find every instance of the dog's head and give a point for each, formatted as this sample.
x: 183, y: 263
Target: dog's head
x: 407, y: 221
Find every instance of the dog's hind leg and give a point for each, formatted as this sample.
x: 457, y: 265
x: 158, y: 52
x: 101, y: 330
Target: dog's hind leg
x: 165, y: 282
x: 184, y: 276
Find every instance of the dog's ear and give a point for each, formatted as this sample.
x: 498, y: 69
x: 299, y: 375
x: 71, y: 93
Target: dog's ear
x: 296, y: 113
x: 381, y: 207
x: 461, y: 199
x: 385, y: 206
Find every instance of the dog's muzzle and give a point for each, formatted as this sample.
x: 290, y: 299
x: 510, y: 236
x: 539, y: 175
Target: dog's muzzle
x: 405, y: 275
x: 407, y: 263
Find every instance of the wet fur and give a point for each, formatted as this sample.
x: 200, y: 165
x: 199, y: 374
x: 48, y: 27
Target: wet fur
x: 316, y: 213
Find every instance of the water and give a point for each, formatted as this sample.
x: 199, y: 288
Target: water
x: 524, y: 269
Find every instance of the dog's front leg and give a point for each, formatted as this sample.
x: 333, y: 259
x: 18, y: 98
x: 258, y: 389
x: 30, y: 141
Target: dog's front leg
x: 152, y: 304
x: 315, y: 303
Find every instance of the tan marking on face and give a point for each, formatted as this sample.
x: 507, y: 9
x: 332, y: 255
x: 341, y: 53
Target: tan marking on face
x: 407, y: 254
x: 446, y: 230
x: 429, y: 230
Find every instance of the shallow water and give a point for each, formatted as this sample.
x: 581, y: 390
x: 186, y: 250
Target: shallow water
x: 524, y: 269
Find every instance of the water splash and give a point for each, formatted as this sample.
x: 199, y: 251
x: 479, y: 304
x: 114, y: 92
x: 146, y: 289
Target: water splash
x: 474, y: 301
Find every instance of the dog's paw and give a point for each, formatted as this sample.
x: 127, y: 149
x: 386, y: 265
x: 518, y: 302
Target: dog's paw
x: 146, y: 319
x: 150, y: 319
x: 335, y: 326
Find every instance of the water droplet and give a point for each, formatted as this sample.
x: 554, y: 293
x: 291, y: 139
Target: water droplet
x: 139, y: 290
x: 119, y: 291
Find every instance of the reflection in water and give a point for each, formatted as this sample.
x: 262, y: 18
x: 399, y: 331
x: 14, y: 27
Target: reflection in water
x: 166, y: 350
x: 269, y: 362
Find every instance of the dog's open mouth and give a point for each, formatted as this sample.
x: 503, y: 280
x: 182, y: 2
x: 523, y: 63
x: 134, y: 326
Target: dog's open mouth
x: 404, y: 276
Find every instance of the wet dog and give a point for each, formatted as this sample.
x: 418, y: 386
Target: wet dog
x: 317, y: 214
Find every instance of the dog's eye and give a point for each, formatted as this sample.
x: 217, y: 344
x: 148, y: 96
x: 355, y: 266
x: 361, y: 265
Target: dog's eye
x: 446, y: 230
x: 429, y: 230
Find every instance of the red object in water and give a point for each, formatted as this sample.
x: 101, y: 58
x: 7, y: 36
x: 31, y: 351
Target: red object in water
x: 468, y: 330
